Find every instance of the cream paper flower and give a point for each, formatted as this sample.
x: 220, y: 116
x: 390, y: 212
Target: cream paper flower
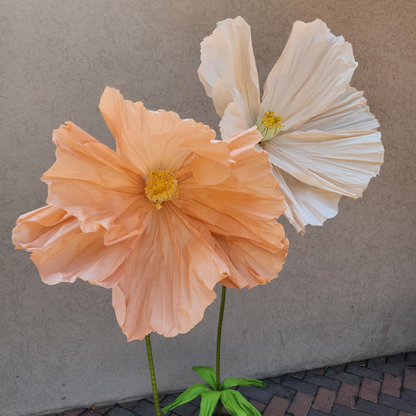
x: 321, y: 138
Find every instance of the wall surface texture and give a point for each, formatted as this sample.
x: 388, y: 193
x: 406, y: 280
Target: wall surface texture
x: 348, y: 289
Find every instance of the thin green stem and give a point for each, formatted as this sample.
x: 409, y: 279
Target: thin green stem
x: 218, y: 360
x: 152, y: 375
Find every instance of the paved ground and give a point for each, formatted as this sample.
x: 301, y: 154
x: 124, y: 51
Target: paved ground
x: 383, y: 386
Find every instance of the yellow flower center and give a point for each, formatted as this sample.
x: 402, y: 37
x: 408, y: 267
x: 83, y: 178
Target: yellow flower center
x: 269, y: 125
x: 271, y: 121
x: 161, y: 186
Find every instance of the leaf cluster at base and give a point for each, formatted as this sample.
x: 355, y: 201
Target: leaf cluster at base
x: 232, y: 400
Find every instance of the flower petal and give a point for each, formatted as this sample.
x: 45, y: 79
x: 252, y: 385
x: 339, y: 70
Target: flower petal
x: 334, y: 153
x: 161, y: 140
x: 34, y: 224
x: 170, y: 276
x: 246, y: 204
x: 222, y: 95
x: 306, y: 204
x: 62, y: 252
x: 313, y: 70
x: 208, y: 161
x: 234, y: 120
x: 348, y: 112
x: 249, y: 264
x: 91, y: 182
x: 341, y: 162
x: 227, y: 54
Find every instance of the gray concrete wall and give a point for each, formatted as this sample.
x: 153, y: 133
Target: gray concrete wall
x: 348, y: 289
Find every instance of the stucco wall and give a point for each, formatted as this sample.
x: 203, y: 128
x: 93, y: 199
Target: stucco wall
x: 348, y: 289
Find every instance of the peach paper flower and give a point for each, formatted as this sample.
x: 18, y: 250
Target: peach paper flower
x: 160, y: 221
x: 322, y: 140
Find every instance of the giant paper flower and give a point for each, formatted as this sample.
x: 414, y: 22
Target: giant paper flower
x: 160, y: 221
x: 322, y: 140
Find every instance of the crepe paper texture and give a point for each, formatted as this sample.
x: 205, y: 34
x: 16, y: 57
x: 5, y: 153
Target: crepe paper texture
x: 160, y: 221
x: 212, y: 394
x: 322, y: 140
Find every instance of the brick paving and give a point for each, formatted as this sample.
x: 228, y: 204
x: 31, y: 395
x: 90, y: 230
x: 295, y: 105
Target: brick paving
x: 384, y: 386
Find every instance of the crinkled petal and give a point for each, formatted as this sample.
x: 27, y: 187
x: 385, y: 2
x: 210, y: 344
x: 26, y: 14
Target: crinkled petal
x: 160, y: 140
x: 227, y: 54
x: 306, y: 204
x: 249, y: 264
x: 63, y: 253
x: 347, y: 113
x: 91, y: 182
x: 234, y: 121
x: 169, y: 278
x: 34, y: 224
x: 314, y: 69
x: 222, y: 95
x: 246, y: 204
x: 334, y: 153
x: 341, y: 162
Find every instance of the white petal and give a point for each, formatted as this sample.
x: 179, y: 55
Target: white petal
x: 222, y: 95
x: 347, y: 112
x: 313, y: 70
x: 305, y: 204
x: 334, y: 153
x: 235, y: 119
x: 341, y: 162
x: 228, y: 54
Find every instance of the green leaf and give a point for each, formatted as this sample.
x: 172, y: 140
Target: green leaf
x: 187, y: 396
x: 232, y: 382
x: 208, y: 374
x: 236, y: 404
x: 209, y: 401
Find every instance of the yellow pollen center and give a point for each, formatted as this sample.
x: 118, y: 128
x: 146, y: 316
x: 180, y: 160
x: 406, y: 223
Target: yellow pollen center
x: 269, y: 125
x: 161, y: 186
x: 271, y: 121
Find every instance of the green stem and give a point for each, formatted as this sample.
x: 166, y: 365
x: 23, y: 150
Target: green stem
x: 224, y: 292
x: 152, y: 375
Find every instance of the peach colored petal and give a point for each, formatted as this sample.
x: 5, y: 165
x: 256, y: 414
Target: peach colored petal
x: 62, y: 252
x: 247, y: 203
x: 170, y: 276
x: 249, y: 264
x: 34, y: 224
x: 91, y: 182
x: 209, y: 162
x: 161, y: 140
